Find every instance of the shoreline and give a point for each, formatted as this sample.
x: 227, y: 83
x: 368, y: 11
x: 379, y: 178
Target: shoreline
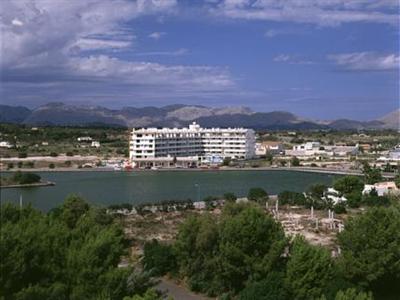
x: 223, y: 169
x: 39, y: 184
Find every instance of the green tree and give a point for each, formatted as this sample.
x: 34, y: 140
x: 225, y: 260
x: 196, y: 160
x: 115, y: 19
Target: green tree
x: 226, y: 161
x: 291, y: 198
x: 220, y: 257
x: 348, y: 184
x: 270, y: 288
x: 230, y: 197
x: 370, y: 247
x: 43, y: 258
x: 397, y: 180
x: 258, y: 195
x: 309, y: 271
x: 372, y: 175
x: 295, y: 162
x: 73, y: 208
x: 316, y: 197
x: 353, y: 294
x: 158, y: 258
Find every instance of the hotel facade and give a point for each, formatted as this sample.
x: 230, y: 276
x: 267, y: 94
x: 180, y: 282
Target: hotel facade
x: 190, y: 146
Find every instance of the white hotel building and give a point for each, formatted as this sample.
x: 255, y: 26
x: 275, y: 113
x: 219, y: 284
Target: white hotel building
x: 185, y: 147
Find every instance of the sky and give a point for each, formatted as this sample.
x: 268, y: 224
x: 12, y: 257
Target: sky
x: 321, y: 59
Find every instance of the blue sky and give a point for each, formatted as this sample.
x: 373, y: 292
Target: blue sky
x: 320, y: 59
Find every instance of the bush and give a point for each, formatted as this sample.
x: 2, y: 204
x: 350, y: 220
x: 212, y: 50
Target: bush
x: 52, y: 166
x: 10, y: 166
x: 340, y: 208
x: 26, y: 178
x: 158, y: 258
x: 230, y: 197
x: 354, y: 199
x: 29, y: 164
x: 19, y: 164
x: 258, y: 195
x: 295, y: 162
x: 53, y: 154
x: 22, y: 155
x: 69, y: 153
x: 291, y: 198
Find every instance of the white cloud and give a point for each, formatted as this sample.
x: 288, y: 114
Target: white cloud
x: 320, y: 12
x: 156, y: 35
x: 179, y: 52
x: 51, y: 43
x: 146, y: 73
x: 366, y: 61
x: 54, y: 28
x: 291, y: 59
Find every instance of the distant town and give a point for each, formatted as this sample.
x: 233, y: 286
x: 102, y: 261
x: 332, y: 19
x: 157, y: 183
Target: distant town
x: 193, y: 147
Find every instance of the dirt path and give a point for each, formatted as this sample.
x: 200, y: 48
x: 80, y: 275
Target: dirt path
x: 178, y: 292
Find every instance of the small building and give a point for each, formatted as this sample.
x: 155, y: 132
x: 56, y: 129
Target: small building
x: 84, y: 139
x: 334, y: 196
x: 394, y: 154
x: 365, y: 147
x: 95, y: 144
x: 272, y: 147
x: 5, y: 144
x: 382, y: 188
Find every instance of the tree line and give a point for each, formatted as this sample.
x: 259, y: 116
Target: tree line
x: 245, y: 255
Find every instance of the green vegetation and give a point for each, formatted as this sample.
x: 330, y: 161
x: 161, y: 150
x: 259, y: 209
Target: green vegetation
x: 372, y: 174
x: 291, y: 198
x: 220, y: 257
x: 20, y: 178
x: 258, y: 195
x: 158, y: 258
x: 370, y: 247
x: 70, y: 253
x: 245, y: 255
x: 56, y: 140
x: 230, y: 197
x: 295, y: 162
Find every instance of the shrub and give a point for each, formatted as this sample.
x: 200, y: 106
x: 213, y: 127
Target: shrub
x: 53, y: 154
x: 158, y: 258
x: 295, y: 161
x: 230, y: 197
x: 258, y: 195
x: 52, y: 166
x: 26, y: 178
x: 29, y: 164
x: 22, y: 155
x: 340, y: 208
x: 291, y: 198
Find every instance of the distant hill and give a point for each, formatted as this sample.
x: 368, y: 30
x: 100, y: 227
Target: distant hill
x: 177, y: 115
x: 13, y: 114
x: 391, y: 120
x: 343, y: 124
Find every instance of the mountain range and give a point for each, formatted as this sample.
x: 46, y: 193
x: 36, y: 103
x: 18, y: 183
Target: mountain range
x: 179, y: 115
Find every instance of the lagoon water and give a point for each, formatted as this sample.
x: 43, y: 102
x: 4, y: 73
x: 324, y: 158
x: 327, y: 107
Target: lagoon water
x: 105, y: 188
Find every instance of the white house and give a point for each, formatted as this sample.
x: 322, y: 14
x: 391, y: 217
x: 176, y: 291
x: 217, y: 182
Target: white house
x: 95, y: 144
x: 5, y: 144
x: 382, y: 188
x: 334, y: 196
